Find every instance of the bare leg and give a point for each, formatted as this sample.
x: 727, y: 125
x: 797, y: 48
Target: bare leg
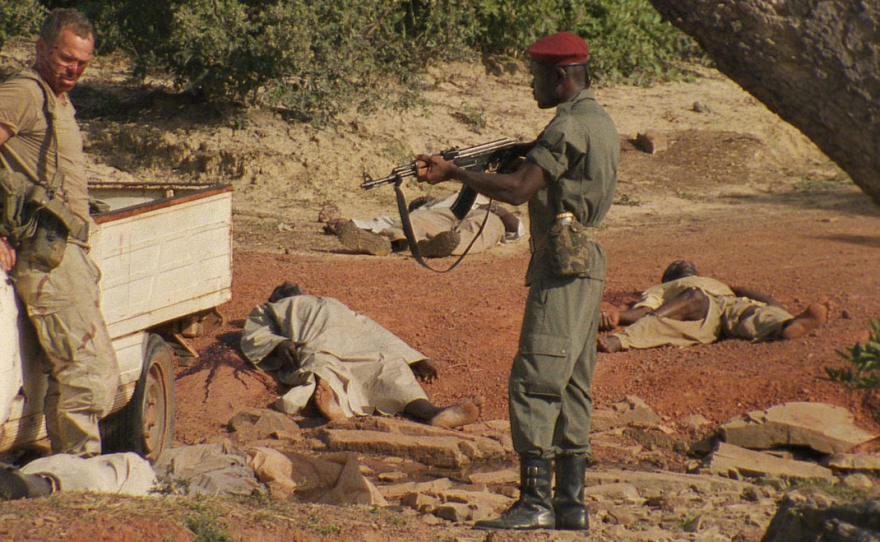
x: 453, y: 416
x: 609, y: 344
x: 327, y: 402
x: 812, y: 317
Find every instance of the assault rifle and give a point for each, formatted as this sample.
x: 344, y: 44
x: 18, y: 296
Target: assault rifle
x: 487, y: 156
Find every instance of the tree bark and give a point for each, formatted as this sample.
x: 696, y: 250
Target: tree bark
x: 815, y: 63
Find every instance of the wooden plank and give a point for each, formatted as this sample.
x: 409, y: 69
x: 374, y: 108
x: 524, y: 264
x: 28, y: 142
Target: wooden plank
x: 165, y: 264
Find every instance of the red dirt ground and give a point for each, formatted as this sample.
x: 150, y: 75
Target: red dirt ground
x: 468, y: 320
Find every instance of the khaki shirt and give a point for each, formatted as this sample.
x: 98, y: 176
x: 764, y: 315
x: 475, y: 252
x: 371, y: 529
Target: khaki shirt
x: 656, y: 296
x: 579, y: 149
x: 30, y: 149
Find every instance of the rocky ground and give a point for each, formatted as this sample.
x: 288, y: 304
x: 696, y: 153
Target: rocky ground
x: 745, y: 196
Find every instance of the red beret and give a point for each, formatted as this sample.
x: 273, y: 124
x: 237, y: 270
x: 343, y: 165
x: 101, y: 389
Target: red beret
x: 559, y: 49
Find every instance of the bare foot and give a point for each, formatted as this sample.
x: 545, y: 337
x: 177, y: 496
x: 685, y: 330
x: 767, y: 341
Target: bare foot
x: 461, y: 414
x: 327, y: 402
x: 812, y: 317
x: 609, y: 344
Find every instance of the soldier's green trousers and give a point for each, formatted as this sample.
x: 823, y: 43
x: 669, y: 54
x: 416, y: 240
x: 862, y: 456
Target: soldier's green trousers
x: 83, y: 371
x: 550, y: 398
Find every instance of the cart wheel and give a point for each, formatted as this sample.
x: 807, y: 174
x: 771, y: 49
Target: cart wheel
x: 146, y: 424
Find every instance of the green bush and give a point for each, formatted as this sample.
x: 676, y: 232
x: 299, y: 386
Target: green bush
x: 19, y: 17
x: 628, y: 39
x: 864, y: 360
x: 233, y: 48
x: 313, y: 58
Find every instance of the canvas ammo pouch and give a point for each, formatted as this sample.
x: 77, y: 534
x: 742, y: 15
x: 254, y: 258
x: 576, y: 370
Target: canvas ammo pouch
x: 569, y: 246
x: 16, y: 219
x: 37, y: 221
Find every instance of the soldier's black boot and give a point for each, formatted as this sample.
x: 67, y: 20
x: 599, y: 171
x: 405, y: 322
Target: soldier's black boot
x: 534, y: 509
x: 568, y: 504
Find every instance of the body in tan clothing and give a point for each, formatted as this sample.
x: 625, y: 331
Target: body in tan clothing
x: 686, y: 309
x: 432, y: 218
x: 347, y: 363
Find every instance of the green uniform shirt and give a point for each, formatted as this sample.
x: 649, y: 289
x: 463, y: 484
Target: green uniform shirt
x: 579, y: 149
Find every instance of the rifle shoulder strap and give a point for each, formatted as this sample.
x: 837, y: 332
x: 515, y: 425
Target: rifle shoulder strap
x: 408, y: 231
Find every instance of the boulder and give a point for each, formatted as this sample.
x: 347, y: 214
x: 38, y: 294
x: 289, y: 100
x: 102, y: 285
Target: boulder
x: 733, y: 461
x: 651, y: 142
x: 794, y: 522
x: 506, y: 476
x: 656, y: 482
x: 261, y: 423
x: 825, y: 428
x: 450, y: 450
x: 854, y: 462
x: 630, y: 411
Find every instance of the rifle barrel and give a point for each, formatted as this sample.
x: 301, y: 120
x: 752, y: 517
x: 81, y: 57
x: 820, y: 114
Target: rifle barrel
x: 460, y: 156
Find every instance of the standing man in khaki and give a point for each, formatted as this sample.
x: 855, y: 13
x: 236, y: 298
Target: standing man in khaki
x: 568, y: 179
x: 48, y: 260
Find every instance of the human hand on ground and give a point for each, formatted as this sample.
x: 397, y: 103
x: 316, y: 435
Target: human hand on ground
x: 433, y: 169
x: 7, y: 255
x: 288, y: 352
x: 609, y: 320
x: 425, y: 370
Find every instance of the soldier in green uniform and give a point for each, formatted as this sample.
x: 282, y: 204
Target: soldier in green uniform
x: 48, y: 262
x: 568, y: 178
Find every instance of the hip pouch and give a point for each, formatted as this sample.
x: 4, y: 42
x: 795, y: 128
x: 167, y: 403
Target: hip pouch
x: 45, y: 249
x: 569, y: 246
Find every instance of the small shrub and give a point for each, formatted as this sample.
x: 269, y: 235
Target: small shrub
x: 472, y: 116
x: 864, y: 360
x: 314, y: 58
x: 19, y: 18
x: 205, y: 529
x: 629, y: 41
x: 627, y: 200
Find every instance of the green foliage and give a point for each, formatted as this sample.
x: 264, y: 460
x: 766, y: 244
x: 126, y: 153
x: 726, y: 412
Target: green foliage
x: 233, y: 48
x: 170, y: 485
x: 627, y: 200
x: 865, y: 361
x: 205, y: 529
x: 19, y: 17
x: 203, y: 522
x: 632, y: 42
x: 313, y: 58
x: 813, y: 183
x: 628, y: 39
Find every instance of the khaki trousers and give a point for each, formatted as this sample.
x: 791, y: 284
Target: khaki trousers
x: 551, y: 402
x: 63, y: 305
x: 427, y: 223
x: 652, y: 331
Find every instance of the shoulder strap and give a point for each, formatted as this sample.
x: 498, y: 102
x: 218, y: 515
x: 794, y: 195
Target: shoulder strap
x: 402, y: 208
x: 49, y: 113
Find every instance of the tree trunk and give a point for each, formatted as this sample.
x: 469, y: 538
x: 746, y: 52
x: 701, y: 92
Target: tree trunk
x: 815, y: 63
